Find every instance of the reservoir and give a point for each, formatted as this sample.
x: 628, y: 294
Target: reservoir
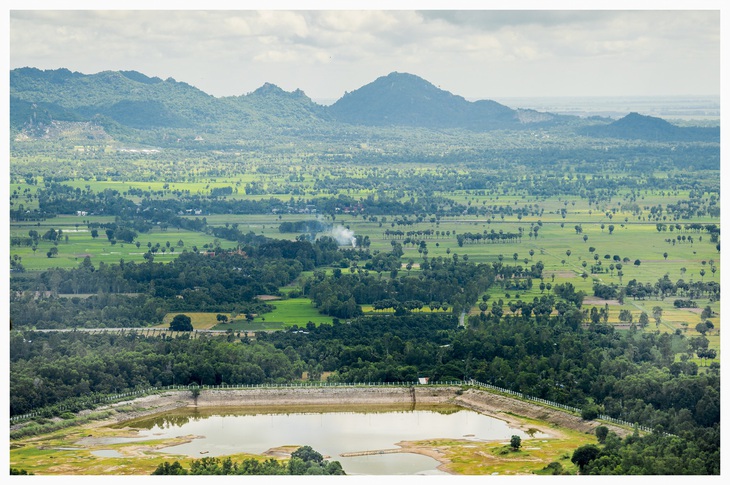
x: 373, y: 431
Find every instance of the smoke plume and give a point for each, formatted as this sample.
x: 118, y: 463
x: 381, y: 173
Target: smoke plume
x: 344, y: 236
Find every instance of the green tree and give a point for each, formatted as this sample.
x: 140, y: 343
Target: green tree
x: 707, y: 312
x: 167, y: 469
x: 644, y: 319
x: 307, y: 454
x: 625, y: 316
x: 656, y: 312
x: 584, y: 455
x: 20, y: 471
x: 181, y: 323
x: 297, y: 466
x: 515, y: 442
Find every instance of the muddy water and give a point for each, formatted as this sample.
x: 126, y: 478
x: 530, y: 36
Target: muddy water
x: 332, y: 433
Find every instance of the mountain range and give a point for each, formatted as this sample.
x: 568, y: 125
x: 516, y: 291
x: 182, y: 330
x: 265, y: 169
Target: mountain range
x: 126, y: 103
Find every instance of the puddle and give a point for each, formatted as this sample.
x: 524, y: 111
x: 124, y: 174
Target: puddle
x: 107, y: 453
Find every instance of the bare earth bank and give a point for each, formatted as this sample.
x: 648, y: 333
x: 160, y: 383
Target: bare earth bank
x: 508, y: 409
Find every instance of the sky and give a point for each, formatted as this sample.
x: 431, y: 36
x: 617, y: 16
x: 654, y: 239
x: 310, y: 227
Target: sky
x: 326, y: 50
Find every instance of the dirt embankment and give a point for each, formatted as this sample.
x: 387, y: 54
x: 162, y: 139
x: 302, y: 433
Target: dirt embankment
x: 508, y: 409
x: 324, y: 396
x: 518, y: 414
x: 502, y: 407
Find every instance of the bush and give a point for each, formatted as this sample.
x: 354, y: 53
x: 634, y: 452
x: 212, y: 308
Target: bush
x: 685, y: 303
x: 589, y: 412
x: 553, y: 468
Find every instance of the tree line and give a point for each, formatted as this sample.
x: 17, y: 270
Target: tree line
x: 627, y: 375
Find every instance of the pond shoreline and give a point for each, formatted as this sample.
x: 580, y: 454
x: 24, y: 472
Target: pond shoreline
x: 511, y: 410
x: 516, y: 413
x: 496, y: 405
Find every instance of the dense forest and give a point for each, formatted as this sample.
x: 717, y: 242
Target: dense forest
x: 631, y: 376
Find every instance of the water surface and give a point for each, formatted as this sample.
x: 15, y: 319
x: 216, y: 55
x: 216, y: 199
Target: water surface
x: 332, y: 433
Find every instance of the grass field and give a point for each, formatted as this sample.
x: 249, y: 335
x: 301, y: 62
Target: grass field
x: 559, y: 246
x: 200, y: 320
x: 295, y: 311
x: 80, y: 244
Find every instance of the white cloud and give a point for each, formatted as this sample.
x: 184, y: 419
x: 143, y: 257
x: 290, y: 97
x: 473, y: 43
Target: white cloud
x: 326, y: 52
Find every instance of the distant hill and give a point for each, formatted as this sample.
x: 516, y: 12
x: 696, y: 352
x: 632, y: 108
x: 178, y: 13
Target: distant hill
x: 128, y: 105
x: 405, y: 99
x: 131, y: 100
x: 635, y: 126
x: 126, y: 98
x: 272, y: 106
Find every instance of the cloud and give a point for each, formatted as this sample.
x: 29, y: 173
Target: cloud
x: 472, y: 53
x: 495, y: 20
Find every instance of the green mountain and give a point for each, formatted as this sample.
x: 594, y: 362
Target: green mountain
x: 130, y: 106
x: 635, y: 126
x: 270, y: 106
x: 128, y: 101
x: 407, y: 100
x: 126, y: 98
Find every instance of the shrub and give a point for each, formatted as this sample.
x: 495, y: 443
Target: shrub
x: 589, y: 412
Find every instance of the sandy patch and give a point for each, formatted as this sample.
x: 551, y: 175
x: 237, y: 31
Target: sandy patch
x: 136, y: 451
x: 437, y: 453
x: 281, y: 451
